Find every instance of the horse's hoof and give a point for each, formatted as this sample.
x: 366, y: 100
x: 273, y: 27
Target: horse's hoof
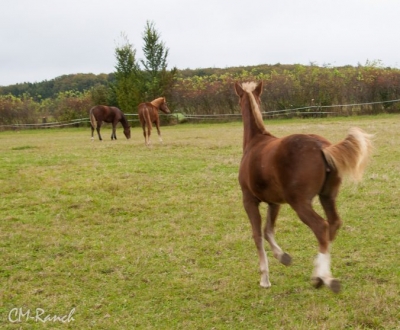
x: 285, y: 259
x: 266, y: 285
x: 317, y: 282
x: 335, y: 286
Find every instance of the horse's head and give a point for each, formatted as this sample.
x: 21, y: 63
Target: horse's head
x: 248, y: 88
x: 127, y: 132
x: 164, y: 107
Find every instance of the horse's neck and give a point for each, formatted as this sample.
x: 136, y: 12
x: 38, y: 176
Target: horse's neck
x: 123, y: 121
x: 157, y: 102
x: 250, y: 127
x: 249, y: 134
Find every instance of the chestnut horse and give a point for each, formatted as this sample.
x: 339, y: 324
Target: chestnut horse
x: 148, y: 114
x: 293, y: 170
x: 113, y: 115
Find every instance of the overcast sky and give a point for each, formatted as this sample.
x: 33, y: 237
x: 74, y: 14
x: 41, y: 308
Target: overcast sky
x: 43, y: 39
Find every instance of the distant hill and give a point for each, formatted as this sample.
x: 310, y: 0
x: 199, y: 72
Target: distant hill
x: 84, y: 81
x: 49, y: 88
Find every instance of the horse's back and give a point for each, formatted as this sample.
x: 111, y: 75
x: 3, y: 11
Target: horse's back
x: 143, y: 106
x: 106, y: 113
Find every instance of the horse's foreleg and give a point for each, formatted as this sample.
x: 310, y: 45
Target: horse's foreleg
x: 98, y: 131
x: 113, y: 132
x: 322, y: 271
x: 269, y: 234
x: 158, y: 131
x: 251, y: 206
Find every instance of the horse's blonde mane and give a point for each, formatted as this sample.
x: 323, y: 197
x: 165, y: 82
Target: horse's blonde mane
x: 158, y: 101
x: 249, y: 87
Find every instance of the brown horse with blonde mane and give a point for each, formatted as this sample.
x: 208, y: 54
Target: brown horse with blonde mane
x: 293, y: 170
x: 148, y: 115
x: 112, y: 115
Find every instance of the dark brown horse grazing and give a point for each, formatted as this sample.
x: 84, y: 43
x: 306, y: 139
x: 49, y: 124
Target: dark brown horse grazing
x: 293, y: 170
x: 148, y: 114
x: 113, y: 115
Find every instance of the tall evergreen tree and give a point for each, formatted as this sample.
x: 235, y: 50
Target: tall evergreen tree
x: 157, y: 79
x: 127, y: 80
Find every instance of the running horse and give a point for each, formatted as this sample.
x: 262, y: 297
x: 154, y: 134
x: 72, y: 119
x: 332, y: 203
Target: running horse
x: 148, y: 114
x: 113, y: 115
x: 293, y: 170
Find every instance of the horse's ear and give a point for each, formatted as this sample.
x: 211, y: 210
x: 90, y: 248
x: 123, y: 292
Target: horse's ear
x: 258, y: 90
x: 238, y: 89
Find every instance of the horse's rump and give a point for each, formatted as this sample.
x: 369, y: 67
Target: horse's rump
x: 146, y: 117
x: 144, y: 113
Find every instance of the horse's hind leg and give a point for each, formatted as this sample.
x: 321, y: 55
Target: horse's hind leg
x: 148, y: 135
x: 327, y: 197
x: 144, y: 134
x: 322, y: 271
x: 251, y: 206
x: 269, y: 234
x: 329, y: 205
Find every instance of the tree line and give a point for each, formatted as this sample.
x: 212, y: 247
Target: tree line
x: 200, y: 91
x: 293, y: 87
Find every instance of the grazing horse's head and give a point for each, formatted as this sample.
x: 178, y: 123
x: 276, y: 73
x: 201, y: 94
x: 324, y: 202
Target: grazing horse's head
x: 127, y: 132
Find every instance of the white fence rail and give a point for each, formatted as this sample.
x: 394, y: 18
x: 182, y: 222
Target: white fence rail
x: 310, y: 111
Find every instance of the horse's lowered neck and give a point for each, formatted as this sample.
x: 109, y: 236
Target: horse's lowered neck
x: 124, y: 121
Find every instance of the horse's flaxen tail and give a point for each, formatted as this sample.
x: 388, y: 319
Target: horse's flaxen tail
x: 92, y: 119
x: 350, y: 156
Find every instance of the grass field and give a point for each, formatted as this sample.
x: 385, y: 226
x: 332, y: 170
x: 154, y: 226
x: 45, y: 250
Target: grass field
x: 113, y: 235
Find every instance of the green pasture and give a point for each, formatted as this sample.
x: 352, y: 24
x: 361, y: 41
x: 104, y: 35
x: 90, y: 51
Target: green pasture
x: 114, y: 235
